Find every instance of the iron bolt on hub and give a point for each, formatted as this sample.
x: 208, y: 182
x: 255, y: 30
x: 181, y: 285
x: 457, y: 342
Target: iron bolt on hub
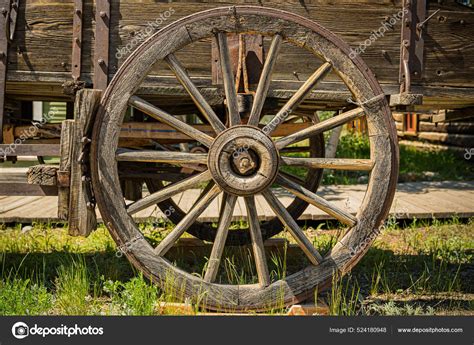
x: 243, y: 160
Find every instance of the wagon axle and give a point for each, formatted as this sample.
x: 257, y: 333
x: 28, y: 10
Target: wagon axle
x: 243, y: 160
x: 246, y: 162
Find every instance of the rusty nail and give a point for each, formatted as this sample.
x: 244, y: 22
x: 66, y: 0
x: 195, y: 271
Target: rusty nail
x: 101, y: 62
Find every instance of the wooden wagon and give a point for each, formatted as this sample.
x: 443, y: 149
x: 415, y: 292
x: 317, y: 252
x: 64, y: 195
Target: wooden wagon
x: 221, y: 98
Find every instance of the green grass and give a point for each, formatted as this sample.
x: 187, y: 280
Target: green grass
x: 73, y: 288
x: 418, y: 268
x: 20, y: 296
x: 134, y: 297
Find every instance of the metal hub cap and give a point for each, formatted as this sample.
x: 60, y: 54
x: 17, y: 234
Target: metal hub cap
x: 243, y: 160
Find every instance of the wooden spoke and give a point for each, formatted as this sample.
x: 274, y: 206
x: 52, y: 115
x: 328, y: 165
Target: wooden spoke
x: 295, y: 149
x: 187, y: 221
x: 195, y: 94
x: 330, y: 163
x: 169, y: 157
x: 170, y: 120
x: 293, y: 228
x: 257, y: 242
x: 293, y: 178
x: 264, y: 82
x: 228, y: 79
x: 206, y: 189
x: 298, y: 97
x: 319, y: 127
x: 168, y: 192
x: 312, y: 198
x: 225, y: 218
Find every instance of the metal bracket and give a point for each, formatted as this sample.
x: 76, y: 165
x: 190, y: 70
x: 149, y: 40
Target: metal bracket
x: 8, y: 18
x: 246, y: 52
x: 412, y: 43
x: 77, y: 40
x: 101, y: 55
x: 63, y: 178
x: 13, y: 15
x: 4, y: 36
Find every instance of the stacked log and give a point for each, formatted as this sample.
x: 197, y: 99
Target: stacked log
x: 459, y: 133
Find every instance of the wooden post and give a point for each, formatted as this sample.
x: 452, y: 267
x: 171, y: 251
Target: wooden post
x: 82, y: 217
x: 64, y: 173
x: 333, y: 142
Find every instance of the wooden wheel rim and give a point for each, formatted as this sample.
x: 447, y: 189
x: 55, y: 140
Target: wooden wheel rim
x: 298, y: 30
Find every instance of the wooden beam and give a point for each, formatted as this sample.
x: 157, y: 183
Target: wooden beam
x: 24, y: 189
x: 67, y: 136
x: 30, y: 150
x: 102, y: 37
x: 44, y: 175
x: 82, y: 217
x: 453, y: 115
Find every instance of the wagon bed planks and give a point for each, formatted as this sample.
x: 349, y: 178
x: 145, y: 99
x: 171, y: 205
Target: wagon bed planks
x: 448, y: 53
x: 416, y: 199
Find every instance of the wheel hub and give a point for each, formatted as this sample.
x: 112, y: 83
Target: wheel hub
x: 243, y: 160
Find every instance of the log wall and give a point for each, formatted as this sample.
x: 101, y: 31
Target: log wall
x: 458, y: 133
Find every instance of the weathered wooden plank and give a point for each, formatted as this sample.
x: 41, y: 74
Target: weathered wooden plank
x: 131, y: 24
x: 12, y: 203
x: 453, y: 115
x: 450, y: 127
x: 23, y: 189
x: 463, y: 140
x: 82, y: 217
x: 44, y: 175
x: 412, y: 200
x: 14, y: 175
x: 65, y: 162
x: 30, y: 150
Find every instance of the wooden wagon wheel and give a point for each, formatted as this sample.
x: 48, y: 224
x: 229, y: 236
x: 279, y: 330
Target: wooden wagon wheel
x: 269, y: 228
x: 230, y: 173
